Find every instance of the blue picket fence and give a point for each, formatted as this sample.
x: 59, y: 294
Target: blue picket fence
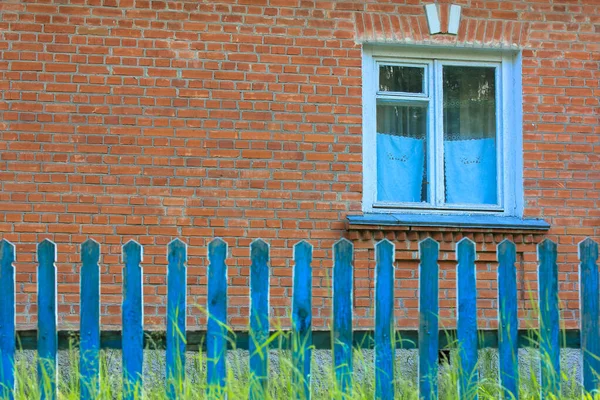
x: 385, y: 339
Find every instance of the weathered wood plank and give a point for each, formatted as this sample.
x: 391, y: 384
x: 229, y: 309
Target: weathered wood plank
x: 467, y: 319
x: 216, y: 344
x: 342, y: 313
x: 259, y: 318
x: 508, y: 340
x: 384, y: 320
x: 47, y: 335
x: 176, y: 318
x: 89, y: 352
x: 549, y: 318
x: 302, y: 320
x: 133, y: 321
x: 428, y: 318
x: 590, y: 314
x: 7, y: 319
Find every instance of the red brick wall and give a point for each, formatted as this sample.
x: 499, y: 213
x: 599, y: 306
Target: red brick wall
x: 149, y: 120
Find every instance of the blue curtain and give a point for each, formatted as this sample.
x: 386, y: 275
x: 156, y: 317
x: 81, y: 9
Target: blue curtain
x: 399, y: 168
x: 471, y: 171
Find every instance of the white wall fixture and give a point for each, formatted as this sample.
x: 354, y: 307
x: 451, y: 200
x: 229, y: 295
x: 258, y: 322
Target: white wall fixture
x: 433, y: 18
x: 434, y: 23
x: 454, y: 19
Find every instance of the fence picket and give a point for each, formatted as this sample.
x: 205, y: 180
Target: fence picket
x: 428, y: 319
x: 89, y: 348
x: 302, y: 319
x: 508, y: 341
x: 342, y: 313
x: 133, y: 321
x: 590, y: 314
x: 467, y: 319
x: 384, y: 320
x: 259, y: 318
x: 549, y: 318
x: 7, y: 319
x: 176, y: 318
x: 216, y: 340
x: 47, y: 334
x: 302, y: 345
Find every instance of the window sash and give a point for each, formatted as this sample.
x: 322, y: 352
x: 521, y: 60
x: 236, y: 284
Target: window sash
x: 426, y: 67
x: 439, y: 135
x: 435, y: 133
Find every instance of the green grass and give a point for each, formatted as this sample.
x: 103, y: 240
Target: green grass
x: 280, y: 382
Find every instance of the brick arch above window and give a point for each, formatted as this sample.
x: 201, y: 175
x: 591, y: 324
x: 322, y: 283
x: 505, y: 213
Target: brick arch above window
x: 476, y: 28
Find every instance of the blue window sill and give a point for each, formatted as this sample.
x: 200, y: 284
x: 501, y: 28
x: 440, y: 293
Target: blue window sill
x: 450, y: 221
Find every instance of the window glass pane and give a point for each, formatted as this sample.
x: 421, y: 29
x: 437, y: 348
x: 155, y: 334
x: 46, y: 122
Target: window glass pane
x: 402, y: 152
x: 470, y: 135
x: 394, y: 78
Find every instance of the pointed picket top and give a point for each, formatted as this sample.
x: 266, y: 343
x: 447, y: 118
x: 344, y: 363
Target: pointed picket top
x: 303, y: 252
x: 259, y: 249
x: 7, y: 256
x: 176, y: 254
x: 132, y: 244
x: 466, y: 247
x: 382, y: 245
x: 429, y: 243
x: 133, y: 248
x: 302, y: 247
x: 177, y: 249
x: 506, y: 246
x: 343, y: 251
x: 465, y: 243
x: 217, y: 251
x: 177, y: 244
x: 343, y: 244
x: 259, y: 243
x: 46, y: 243
x: 382, y: 241
x: 90, y: 242
x: 216, y: 242
x: 46, y: 250
x: 7, y: 251
x: 587, y: 249
x: 259, y: 254
x: 90, y: 249
x: 546, y: 245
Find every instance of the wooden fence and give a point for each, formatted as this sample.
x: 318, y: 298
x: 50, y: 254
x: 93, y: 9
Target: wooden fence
x: 132, y: 336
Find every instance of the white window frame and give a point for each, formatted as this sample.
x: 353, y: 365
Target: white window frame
x: 508, y: 125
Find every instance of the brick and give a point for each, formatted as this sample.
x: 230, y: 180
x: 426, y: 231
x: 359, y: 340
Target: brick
x: 93, y: 30
x: 26, y: 66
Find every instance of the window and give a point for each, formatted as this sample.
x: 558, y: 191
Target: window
x: 442, y: 131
